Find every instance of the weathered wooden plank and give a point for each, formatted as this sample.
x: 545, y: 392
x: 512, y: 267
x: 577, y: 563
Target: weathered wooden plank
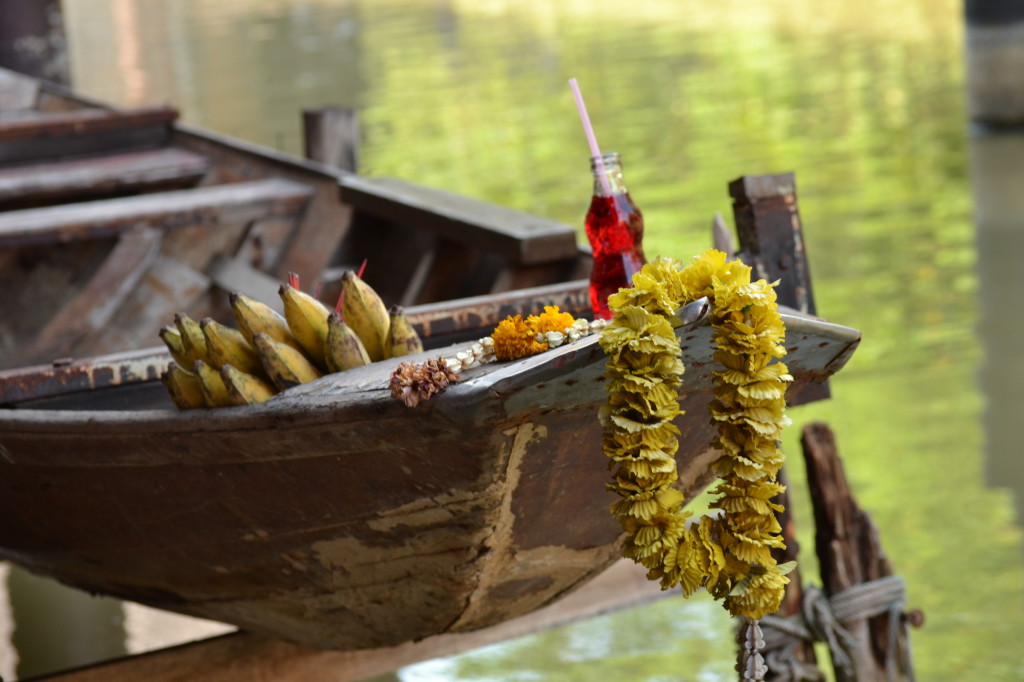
x: 103, y: 175
x: 166, y: 288
x: 439, y: 324
x: 849, y: 554
x: 97, y: 302
x: 62, y: 378
x: 314, y: 241
x: 54, y: 135
x: 771, y: 235
x: 519, y: 237
x: 209, y: 206
x: 18, y: 93
x: 400, y: 258
x: 332, y: 137
x: 772, y: 241
x: 510, y: 279
x: 233, y: 274
x: 243, y: 657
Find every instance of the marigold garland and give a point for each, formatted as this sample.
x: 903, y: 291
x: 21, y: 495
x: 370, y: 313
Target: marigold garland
x: 516, y: 338
x: 513, y: 338
x: 730, y: 554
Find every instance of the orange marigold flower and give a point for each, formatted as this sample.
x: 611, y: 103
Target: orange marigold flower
x: 551, y: 320
x: 514, y: 338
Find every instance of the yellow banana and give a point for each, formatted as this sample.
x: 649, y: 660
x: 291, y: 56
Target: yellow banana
x: 244, y: 388
x: 344, y: 349
x: 366, y: 314
x: 255, y: 317
x: 402, y: 336
x: 285, y: 365
x: 307, y: 320
x: 215, y: 393
x: 192, y: 341
x: 172, y: 339
x: 227, y: 346
x: 183, y: 387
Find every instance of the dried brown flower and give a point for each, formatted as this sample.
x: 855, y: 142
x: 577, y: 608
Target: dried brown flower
x: 414, y: 382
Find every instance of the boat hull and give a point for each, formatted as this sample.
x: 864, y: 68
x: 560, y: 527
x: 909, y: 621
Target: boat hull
x: 335, y: 517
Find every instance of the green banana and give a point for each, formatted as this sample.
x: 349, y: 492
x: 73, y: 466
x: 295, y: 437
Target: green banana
x: 402, y: 336
x: 344, y: 349
x: 215, y: 393
x: 183, y: 387
x: 307, y: 320
x: 244, y: 388
x: 227, y: 346
x: 285, y: 365
x: 255, y: 317
x: 192, y: 341
x: 366, y: 314
x: 172, y: 339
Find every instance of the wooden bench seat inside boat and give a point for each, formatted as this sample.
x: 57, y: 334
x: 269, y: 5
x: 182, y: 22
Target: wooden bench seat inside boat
x: 45, y: 135
x: 123, y: 173
x: 209, y: 206
x: 121, y: 261
x: 453, y: 245
x: 521, y: 237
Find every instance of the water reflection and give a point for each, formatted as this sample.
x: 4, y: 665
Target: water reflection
x: 997, y: 176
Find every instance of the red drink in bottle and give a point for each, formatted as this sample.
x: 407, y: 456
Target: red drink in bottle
x: 615, y: 228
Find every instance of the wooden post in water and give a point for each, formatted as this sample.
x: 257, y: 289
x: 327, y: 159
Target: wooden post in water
x: 995, y: 61
x: 771, y: 239
x: 332, y: 137
x: 32, y: 39
x: 850, y: 554
x: 771, y: 235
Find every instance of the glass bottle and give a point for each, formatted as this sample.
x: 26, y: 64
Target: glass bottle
x: 615, y: 228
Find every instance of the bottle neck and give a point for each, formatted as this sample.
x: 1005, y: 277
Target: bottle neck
x: 607, y: 175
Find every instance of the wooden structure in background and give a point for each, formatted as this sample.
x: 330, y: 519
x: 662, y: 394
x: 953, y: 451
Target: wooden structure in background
x: 78, y: 178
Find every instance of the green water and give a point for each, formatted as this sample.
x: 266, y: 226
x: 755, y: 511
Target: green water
x: 863, y: 101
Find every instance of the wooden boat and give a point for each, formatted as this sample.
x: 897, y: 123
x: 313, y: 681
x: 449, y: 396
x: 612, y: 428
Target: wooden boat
x: 112, y: 220
x: 333, y: 516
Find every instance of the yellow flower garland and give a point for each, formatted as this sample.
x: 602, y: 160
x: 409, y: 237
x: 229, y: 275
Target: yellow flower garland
x: 729, y: 555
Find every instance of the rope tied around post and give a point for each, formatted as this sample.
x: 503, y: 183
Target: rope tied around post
x: 821, y: 619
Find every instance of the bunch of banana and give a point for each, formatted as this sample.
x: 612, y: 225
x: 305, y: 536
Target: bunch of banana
x: 286, y: 365
x: 307, y: 320
x: 183, y: 387
x: 366, y: 314
x: 244, y: 388
x: 216, y: 365
x: 402, y: 337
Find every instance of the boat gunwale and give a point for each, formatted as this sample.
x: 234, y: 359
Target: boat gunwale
x: 365, y: 390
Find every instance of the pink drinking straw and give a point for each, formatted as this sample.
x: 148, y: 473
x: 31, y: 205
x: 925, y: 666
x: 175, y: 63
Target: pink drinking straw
x: 591, y: 140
